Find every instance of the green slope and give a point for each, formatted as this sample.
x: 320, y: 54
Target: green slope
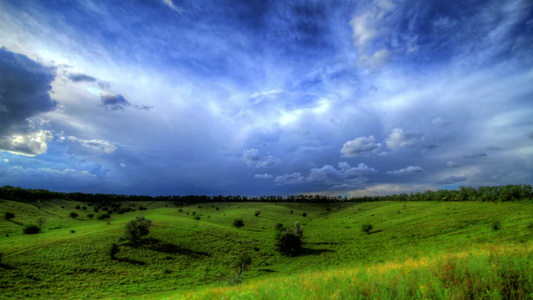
x: 184, y: 254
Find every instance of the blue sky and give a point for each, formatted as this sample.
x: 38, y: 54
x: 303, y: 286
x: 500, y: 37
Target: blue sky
x: 244, y: 97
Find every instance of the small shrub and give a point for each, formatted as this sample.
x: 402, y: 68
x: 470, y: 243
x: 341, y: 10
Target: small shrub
x: 73, y: 215
x: 278, y: 226
x: 78, y: 207
x: 90, y: 216
x: 292, y: 211
x: 84, y: 207
x: 180, y: 210
x: 257, y: 213
x: 113, y: 250
x: 103, y: 217
x: 304, y: 215
x: 366, y: 228
x: 96, y: 210
x: 142, y: 208
x: 73, y: 231
x: 136, y: 228
x: 238, y: 223
x: 496, y: 225
x: 31, y: 229
x: 197, y: 217
x: 9, y: 215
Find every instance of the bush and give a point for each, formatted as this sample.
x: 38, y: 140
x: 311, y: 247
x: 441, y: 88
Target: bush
x: 238, y: 223
x: 257, y: 213
x: 90, y: 216
x: 304, y: 215
x: 136, y: 228
x: 31, y: 229
x: 73, y: 215
x: 113, y: 250
x: 496, y: 225
x: 366, y: 228
x: 289, y: 242
x: 9, y: 215
x: 103, y: 217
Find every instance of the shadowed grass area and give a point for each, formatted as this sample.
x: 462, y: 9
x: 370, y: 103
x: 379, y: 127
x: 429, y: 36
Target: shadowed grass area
x: 183, y: 256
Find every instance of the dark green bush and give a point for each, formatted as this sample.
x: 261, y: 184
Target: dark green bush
x: 289, y: 242
x: 31, y: 229
x: 9, y: 215
x: 304, y: 215
x: 257, y: 213
x: 90, y: 216
x: 238, y: 223
x: 496, y: 225
x: 73, y: 215
x: 366, y: 228
x: 103, y: 217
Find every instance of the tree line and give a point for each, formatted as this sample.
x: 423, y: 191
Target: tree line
x: 512, y: 192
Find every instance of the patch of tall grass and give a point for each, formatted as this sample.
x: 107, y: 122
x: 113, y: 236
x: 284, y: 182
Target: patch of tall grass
x: 497, y: 273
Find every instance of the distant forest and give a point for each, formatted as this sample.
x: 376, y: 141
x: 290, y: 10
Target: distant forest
x: 512, y: 192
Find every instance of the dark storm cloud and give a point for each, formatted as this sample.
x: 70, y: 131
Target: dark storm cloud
x: 114, y: 102
x: 24, y: 94
x: 81, y: 77
x: 24, y: 91
x: 453, y: 179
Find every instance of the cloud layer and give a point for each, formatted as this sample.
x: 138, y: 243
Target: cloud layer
x: 278, y: 97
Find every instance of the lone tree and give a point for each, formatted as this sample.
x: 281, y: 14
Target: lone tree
x: 238, y: 223
x: 136, y: 228
x: 289, y: 242
x: 366, y: 228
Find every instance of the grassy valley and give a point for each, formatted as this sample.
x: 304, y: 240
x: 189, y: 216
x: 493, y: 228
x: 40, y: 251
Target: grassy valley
x: 414, y: 250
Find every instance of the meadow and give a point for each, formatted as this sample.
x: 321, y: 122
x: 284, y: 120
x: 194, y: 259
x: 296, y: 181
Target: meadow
x: 416, y: 250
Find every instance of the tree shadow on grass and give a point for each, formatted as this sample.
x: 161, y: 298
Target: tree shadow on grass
x: 16, y: 222
x: 308, y: 251
x: 131, y: 261
x: 6, y: 267
x: 159, y: 246
x: 375, y: 231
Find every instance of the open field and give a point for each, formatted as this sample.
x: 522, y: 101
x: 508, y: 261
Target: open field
x: 415, y: 249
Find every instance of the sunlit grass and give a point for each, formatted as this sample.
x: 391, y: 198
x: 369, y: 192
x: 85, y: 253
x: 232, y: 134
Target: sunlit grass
x: 197, y: 257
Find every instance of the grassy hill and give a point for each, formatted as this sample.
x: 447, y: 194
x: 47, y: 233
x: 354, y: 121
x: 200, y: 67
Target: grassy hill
x: 416, y: 249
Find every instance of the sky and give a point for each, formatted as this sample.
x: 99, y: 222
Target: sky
x: 243, y: 97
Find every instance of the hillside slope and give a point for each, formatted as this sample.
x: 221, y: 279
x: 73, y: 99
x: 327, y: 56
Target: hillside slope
x: 193, y: 247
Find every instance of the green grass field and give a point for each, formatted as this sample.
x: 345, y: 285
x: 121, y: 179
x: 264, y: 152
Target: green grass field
x: 433, y: 250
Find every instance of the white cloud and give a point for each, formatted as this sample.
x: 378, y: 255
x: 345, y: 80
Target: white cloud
x: 359, y: 146
x: 399, y: 139
x: 263, y: 176
x: 29, y: 144
x: 293, y: 178
x: 452, y: 163
x: 368, y: 27
x: 171, y: 5
x: 99, y: 145
x: 441, y: 121
x: 252, y: 159
x: 344, y: 177
x: 408, y: 170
